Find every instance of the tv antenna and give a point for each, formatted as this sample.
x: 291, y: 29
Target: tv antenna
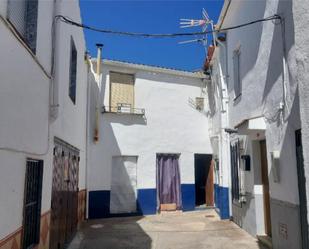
x: 205, y: 23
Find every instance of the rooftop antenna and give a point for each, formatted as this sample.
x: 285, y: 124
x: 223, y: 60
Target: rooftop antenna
x: 205, y: 23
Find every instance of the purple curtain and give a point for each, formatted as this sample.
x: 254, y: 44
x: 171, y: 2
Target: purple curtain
x: 168, y: 180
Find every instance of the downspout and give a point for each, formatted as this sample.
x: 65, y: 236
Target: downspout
x: 88, y: 62
x: 54, y: 103
x: 98, y: 79
x: 224, y: 137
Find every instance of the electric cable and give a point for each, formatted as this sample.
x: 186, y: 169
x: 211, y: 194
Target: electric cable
x: 166, y: 35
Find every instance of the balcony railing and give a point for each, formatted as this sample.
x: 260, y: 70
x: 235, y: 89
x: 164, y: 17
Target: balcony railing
x: 123, y: 109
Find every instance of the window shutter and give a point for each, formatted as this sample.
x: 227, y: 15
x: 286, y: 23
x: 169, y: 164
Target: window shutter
x: 122, y: 90
x: 236, y: 66
x: 73, y: 72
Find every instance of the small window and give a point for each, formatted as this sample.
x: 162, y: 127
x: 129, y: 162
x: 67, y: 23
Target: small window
x: 32, y: 203
x: 23, y: 14
x: 73, y: 71
x: 199, y: 103
x: 237, y: 78
x: 121, y: 92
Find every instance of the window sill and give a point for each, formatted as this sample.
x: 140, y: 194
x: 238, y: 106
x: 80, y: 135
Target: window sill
x: 130, y: 111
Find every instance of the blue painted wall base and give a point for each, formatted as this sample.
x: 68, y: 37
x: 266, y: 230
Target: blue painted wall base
x: 147, y: 201
x: 222, y: 201
x: 99, y: 202
x: 188, y: 197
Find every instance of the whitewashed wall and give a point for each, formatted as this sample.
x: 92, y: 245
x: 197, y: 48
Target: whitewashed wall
x: 25, y: 92
x: 263, y: 72
x: 170, y: 125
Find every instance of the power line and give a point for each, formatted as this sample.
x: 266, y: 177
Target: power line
x: 166, y: 35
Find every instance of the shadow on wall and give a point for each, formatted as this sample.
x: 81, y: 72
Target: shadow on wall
x: 125, y: 119
x: 119, y: 199
x: 280, y: 47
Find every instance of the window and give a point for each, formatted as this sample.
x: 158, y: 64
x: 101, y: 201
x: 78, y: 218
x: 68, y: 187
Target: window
x: 237, y: 78
x: 73, y: 71
x: 235, y: 170
x: 32, y: 203
x: 121, y: 92
x: 23, y: 15
x: 199, y: 103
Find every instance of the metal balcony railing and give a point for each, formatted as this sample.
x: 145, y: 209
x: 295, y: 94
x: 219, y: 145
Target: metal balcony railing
x: 123, y: 109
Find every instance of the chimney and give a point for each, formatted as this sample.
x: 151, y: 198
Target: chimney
x: 99, y: 59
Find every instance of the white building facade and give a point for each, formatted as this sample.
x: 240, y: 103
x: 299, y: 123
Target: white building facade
x: 43, y: 122
x: 255, y: 120
x: 144, y: 111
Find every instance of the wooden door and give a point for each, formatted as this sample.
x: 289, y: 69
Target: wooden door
x: 210, y: 185
x: 64, y: 201
x: 265, y: 182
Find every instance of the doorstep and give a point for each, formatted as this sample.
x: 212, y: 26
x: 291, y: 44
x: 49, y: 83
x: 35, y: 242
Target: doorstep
x: 265, y: 241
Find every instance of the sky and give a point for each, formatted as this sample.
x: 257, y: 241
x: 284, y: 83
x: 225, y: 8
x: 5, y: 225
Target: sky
x: 147, y: 17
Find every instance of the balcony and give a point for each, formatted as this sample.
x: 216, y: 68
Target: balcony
x: 123, y: 109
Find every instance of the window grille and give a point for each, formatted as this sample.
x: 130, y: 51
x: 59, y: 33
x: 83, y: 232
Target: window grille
x: 23, y: 15
x: 237, y: 78
x: 32, y: 203
x: 235, y: 169
x: 73, y: 72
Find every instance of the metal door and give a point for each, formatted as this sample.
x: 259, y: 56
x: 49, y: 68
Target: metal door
x: 64, y: 201
x: 123, y: 184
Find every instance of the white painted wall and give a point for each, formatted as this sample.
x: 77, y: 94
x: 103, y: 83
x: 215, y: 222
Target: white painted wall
x: 25, y: 102
x: 301, y: 18
x: 170, y: 125
x: 262, y: 82
x: 263, y: 72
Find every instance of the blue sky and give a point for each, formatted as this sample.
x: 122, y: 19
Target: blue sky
x: 147, y: 17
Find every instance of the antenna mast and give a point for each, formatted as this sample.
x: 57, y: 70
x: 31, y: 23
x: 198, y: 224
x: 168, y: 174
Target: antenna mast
x: 205, y: 23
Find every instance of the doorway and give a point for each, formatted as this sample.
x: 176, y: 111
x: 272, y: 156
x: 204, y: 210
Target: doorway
x: 302, y: 189
x: 64, y: 200
x: 168, y: 182
x: 204, y: 182
x: 265, y: 183
x: 123, y: 185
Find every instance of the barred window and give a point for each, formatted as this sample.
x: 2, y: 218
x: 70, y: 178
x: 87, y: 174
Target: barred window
x: 235, y: 170
x: 73, y: 71
x: 23, y: 15
x: 32, y: 203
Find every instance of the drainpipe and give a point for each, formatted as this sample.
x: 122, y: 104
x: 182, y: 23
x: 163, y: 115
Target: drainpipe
x: 98, y: 78
x: 225, y: 138
x: 54, y: 98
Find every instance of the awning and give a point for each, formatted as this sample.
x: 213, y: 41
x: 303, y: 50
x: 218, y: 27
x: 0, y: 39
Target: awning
x: 254, y: 127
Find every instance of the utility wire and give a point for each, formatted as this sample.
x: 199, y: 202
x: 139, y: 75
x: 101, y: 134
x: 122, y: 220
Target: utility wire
x: 167, y: 35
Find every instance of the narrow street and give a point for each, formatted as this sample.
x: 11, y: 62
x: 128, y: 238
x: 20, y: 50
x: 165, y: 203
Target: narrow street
x: 199, y: 229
